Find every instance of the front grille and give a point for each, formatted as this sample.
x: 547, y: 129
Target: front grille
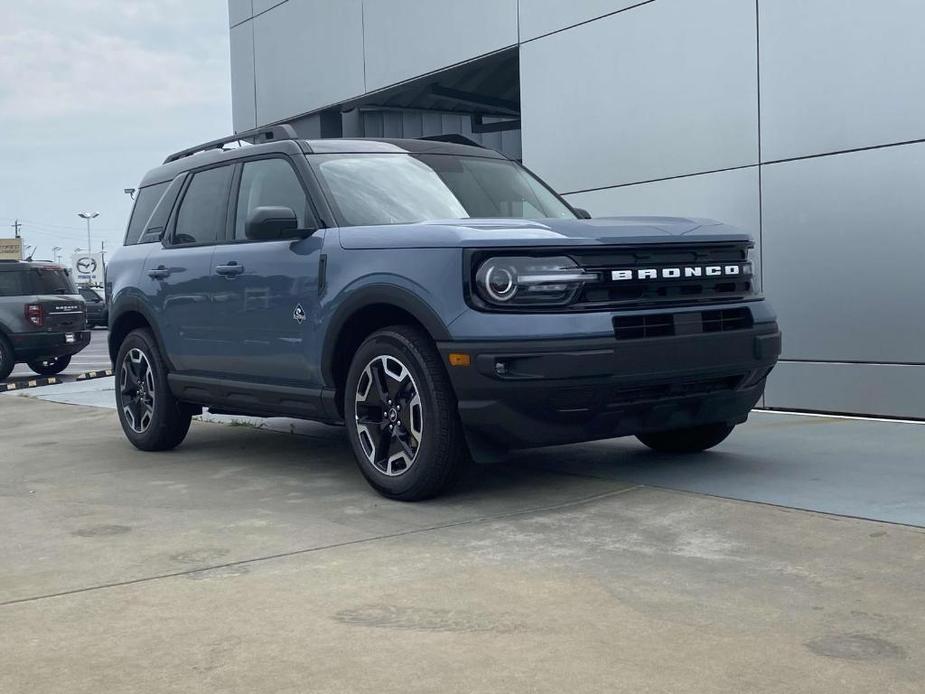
x: 612, y: 396
x: 675, y: 290
x: 629, y: 395
x: 641, y: 326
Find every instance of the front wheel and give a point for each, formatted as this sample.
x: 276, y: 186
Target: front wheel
x: 691, y: 440
x: 51, y: 366
x: 152, y: 419
x: 401, y: 416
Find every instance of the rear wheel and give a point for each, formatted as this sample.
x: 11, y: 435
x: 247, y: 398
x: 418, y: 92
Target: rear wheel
x: 51, y: 366
x: 691, y: 440
x: 7, y: 360
x: 152, y: 419
x: 401, y: 416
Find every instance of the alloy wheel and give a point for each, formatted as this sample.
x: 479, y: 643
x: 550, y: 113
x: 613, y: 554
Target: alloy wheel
x: 138, y: 390
x: 389, y: 415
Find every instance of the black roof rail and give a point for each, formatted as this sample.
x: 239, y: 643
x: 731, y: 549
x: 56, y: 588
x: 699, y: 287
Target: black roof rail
x: 452, y: 139
x: 269, y: 133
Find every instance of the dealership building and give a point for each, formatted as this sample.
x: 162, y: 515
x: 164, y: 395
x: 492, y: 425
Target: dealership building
x: 799, y: 121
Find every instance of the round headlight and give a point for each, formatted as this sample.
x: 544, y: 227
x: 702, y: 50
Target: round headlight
x: 500, y: 282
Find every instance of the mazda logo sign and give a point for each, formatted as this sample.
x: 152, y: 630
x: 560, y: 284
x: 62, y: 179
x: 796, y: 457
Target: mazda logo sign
x: 86, y: 266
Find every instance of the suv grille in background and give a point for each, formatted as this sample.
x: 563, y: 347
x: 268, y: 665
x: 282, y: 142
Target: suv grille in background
x: 630, y: 293
x: 689, y: 323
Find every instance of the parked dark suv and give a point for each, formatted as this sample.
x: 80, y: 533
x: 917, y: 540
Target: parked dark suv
x: 436, y: 298
x: 97, y: 311
x: 42, y: 317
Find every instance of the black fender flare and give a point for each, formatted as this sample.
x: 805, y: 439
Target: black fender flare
x: 132, y: 304
x: 368, y: 296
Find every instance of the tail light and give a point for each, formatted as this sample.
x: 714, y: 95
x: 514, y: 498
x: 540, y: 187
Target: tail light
x: 35, y: 314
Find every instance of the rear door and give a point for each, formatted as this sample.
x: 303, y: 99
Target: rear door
x: 267, y: 304
x: 61, y: 304
x: 178, y: 274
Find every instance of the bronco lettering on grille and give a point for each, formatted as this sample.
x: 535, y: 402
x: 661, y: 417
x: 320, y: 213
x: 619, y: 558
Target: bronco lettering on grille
x: 682, y: 272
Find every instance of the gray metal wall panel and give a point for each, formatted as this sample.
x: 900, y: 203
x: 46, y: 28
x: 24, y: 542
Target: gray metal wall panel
x: 727, y: 196
x: 407, y: 38
x: 239, y: 11
x: 876, y: 389
x: 660, y: 90
x: 840, y: 74
x: 309, y: 55
x: 538, y: 17
x: 243, y: 114
x: 264, y: 5
x: 843, y: 247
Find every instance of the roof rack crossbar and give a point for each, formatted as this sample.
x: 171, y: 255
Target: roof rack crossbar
x: 269, y: 133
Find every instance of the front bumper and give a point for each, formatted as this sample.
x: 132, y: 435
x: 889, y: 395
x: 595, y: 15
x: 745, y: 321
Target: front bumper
x: 536, y: 393
x: 32, y: 346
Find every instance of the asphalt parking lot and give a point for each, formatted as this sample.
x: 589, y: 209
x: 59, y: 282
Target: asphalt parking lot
x: 248, y: 560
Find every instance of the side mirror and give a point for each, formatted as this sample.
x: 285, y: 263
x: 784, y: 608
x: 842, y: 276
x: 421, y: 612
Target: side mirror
x: 269, y: 223
x: 582, y: 213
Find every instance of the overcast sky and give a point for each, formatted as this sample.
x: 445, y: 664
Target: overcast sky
x: 92, y: 94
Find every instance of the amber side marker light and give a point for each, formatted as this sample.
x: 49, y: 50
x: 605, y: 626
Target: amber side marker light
x: 458, y: 359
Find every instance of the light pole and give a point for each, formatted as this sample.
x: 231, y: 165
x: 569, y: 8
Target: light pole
x: 56, y: 254
x: 88, y: 216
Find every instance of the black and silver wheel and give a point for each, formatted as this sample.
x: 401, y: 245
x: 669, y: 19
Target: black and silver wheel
x: 7, y: 360
x: 152, y: 419
x: 691, y: 440
x: 401, y: 415
x: 389, y: 416
x: 50, y: 366
x: 136, y: 379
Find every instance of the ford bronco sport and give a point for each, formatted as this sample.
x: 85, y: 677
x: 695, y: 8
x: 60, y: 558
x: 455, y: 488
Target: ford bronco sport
x: 436, y: 298
x: 43, y: 319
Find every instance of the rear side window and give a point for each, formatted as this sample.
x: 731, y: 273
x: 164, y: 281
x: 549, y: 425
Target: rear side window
x: 11, y: 284
x: 147, y: 200
x: 201, y: 218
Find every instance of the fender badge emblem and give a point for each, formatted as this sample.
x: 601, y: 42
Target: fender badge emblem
x: 299, y: 314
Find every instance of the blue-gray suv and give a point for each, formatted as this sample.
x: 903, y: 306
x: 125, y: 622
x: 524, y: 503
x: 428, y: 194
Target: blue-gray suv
x: 435, y: 297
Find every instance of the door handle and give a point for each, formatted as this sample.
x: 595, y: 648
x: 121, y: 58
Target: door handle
x: 232, y: 269
x: 159, y: 273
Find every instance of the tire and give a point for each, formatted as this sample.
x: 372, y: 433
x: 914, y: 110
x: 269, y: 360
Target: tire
x: 7, y: 358
x: 152, y: 419
x: 424, y: 452
x: 50, y: 367
x: 691, y: 440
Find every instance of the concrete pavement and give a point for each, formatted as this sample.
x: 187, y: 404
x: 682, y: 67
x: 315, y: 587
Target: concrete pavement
x: 250, y: 561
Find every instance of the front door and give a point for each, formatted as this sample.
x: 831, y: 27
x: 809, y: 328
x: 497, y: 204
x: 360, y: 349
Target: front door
x: 266, y: 292
x: 178, y: 274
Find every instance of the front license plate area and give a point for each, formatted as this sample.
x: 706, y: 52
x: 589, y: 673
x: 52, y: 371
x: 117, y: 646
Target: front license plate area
x: 69, y: 338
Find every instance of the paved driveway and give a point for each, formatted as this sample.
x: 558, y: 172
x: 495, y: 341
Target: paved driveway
x: 252, y: 561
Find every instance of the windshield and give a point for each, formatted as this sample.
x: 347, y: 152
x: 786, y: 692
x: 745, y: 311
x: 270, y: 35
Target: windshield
x: 368, y: 189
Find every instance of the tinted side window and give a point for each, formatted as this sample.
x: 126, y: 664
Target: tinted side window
x: 11, y: 283
x: 269, y: 183
x: 202, y: 213
x: 144, y: 206
x: 89, y: 295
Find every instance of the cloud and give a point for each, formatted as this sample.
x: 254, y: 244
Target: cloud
x: 108, y: 57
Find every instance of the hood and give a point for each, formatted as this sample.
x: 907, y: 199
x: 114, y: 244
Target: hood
x: 486, y: 233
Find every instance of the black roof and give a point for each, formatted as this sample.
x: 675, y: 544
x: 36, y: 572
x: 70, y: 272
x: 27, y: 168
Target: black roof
x: 10, y: 265
x: 211, y: 152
